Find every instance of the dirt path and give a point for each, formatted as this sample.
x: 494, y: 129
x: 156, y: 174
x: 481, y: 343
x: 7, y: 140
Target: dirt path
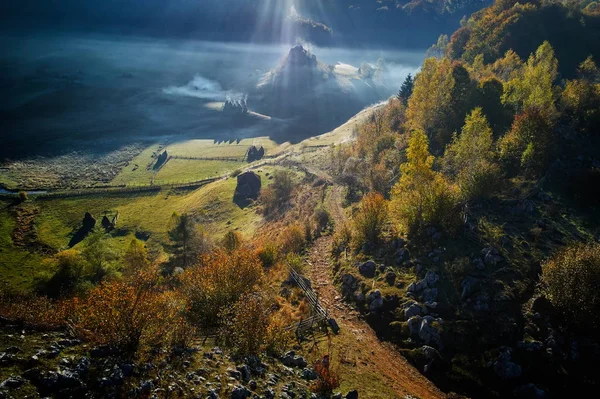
x: 380, y: 358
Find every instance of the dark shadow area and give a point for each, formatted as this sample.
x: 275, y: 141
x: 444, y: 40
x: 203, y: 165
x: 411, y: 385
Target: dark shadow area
x: 87, y: 225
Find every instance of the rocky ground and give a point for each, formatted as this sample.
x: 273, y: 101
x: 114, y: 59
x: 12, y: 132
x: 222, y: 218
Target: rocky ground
x: 35, y: 364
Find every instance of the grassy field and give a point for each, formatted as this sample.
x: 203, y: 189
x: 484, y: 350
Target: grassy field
x: 18, y: 266
x: 219, y: 149
x: 139, y: 170
x: 211, y: 204
x: 187, y: 170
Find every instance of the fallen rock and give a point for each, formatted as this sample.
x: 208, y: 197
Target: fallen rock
x: 248, y: 187
x: 368, y: 269
x: 240, y: 392
x: 375, y: 301
x: 504, y: 368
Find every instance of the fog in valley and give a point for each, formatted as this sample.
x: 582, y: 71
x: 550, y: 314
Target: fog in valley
x: 64, y: 93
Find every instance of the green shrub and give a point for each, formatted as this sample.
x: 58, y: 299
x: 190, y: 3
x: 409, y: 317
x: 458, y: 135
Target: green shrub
x: 571, y: 280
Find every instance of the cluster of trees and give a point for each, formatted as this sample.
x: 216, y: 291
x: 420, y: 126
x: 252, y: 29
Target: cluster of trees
x: 463, y: 126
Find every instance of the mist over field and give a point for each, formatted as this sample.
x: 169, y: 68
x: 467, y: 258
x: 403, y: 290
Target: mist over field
x: 62, y: 92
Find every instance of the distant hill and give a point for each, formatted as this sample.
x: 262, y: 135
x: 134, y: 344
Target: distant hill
x: 324, y: 95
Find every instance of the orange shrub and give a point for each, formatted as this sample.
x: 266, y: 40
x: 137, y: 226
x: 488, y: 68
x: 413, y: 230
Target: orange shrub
x: 38, y: 311
x: 217, y: 282
x: 292, y: 239
x: 327, y: 379
x: 132, y: 315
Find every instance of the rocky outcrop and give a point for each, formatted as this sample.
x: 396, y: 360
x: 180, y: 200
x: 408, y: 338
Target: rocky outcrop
x: 255, y: 154
x: 368, y: 269
x: 247, y: 189
x: 425, y: 289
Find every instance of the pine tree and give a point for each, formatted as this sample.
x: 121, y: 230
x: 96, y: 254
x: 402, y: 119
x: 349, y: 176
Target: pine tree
x: 406, y: 89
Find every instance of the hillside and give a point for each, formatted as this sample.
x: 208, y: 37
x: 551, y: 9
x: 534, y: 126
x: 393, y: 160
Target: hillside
x: 443, y: 243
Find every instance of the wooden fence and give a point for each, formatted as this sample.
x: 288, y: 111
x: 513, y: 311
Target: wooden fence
x: 320, y: 316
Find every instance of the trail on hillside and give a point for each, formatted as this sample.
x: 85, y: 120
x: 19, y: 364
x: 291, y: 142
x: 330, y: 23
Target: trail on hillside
x: 383, y: 357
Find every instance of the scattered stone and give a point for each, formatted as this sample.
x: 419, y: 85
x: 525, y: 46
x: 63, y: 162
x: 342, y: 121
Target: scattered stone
x: 375, y: 301
x: 390, y: 277
x: 309, y: 374
x: 352, y: 395
x: 240, y: 392
x: 504, y: 368
x: 368, y: 269
x: 13, y: 382
x: 412, y: 310
x: 290, y: 359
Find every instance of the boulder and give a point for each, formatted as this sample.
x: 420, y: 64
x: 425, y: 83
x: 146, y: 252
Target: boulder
x: 529, y: 391
x: 414, y: 325
x: 13, y: 382
x: 412, y: 310
x: 375, y: 301
x: 428, y: 333
x: 308, y: 374
x: 390, y: 277
x: 349, y: 284
x: 240, y: 392
x: 368, y: 269
x: 468, y: 286
x: 248, y: 187
x: 431, y: 278
x: 352, y: 395
x: 504, y: 368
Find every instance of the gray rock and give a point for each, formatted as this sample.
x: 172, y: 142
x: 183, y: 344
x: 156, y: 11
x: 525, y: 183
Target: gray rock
x: 368, y: 269
x: 504, y: 368
x: 414, y: 325
x: 291, y: 360
x: 530, y: 346
x: 240, y: 392
x: 429, y: 294
x: 468, y: 286
x: 428, y: 333
x: 375, y: 301
x: 390, y: 277
x: 530, y: 391
x: 412, y: 310
x: 352, y: 395
x: 13, y: 382
x: 431, y: 278
x: 309, y: 374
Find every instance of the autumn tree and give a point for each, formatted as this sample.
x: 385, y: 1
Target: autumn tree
x: 100, y: 254
x: 246, y: 324
x: 232, y: 240
x: 369, y: 220
x: 534, y: 87
x: 72, y: 270
x: 571, y: 281
x: 422, y: 197
x: 469, y: 158
x: 580, y: 99
x: 529, y: 142
x: 131, y: 315
x: 443, y: 94
x: 136, y: 256
x: 189, y: 240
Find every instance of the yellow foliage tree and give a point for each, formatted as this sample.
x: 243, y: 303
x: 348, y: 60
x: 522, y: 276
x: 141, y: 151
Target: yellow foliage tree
x: 422, y: 197
x: 470, y: 157
x: 534, y: 87
x: 370, y: 219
